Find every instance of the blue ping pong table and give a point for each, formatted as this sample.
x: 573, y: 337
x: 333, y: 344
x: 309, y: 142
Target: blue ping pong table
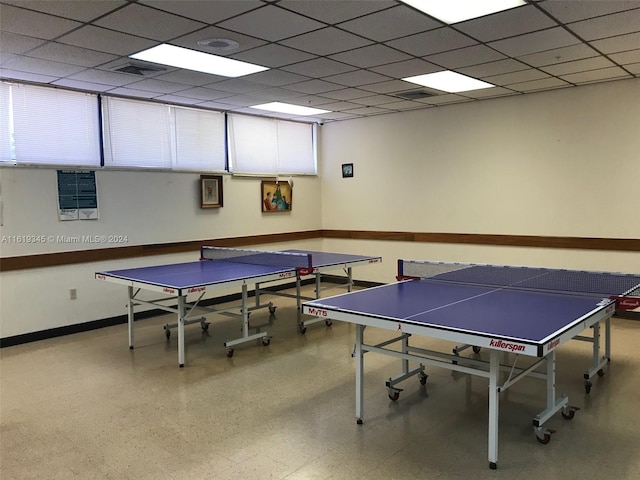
x: 513, y: 312
x: 224, y: 268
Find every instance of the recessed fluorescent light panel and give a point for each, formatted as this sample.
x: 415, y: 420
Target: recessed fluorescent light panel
x: 454, y: 11
x: 199, y: 61
x: 448, y: 81
x: 288, y: 108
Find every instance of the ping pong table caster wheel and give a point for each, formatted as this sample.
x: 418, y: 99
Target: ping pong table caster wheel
x: 394, y: 394
x: 587, y: 386
x: 493, y: 465
x: 601, y: 373
x: 272, y: 310
x: 423, y: 378
x: 545, y: 439
x: 359, y: 421
x: 229, y: 352
x: 328, y: 323
x: 266, y: 341
x: 303, y: 328
x: 569, y: 414
x: 476, y: 349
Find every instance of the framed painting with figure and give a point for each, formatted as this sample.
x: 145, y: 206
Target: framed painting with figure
x: 210, y: 191
x: 276, y: 196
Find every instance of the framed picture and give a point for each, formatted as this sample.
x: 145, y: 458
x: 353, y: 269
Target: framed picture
x: 210, y: 191
x: 347, y: 170
x: 276, y: 196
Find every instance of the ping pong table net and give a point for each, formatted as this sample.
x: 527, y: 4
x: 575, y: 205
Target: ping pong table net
x: 302, y: 262
x: 622, y: 288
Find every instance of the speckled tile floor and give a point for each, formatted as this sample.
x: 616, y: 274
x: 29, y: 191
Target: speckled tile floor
x: 86, y: 407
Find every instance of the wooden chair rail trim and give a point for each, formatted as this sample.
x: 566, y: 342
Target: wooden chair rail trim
x: 114, y: 253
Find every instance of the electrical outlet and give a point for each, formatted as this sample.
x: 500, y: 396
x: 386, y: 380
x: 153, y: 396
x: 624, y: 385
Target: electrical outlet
x: 73, y: 294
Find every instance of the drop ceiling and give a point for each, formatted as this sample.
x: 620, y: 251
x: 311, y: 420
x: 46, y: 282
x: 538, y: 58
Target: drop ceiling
x: 346, y: 56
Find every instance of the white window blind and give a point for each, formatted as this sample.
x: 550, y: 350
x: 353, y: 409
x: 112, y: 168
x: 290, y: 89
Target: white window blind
x: 200, y: 140
x: 152, y: 135
x: 267, y: 146
x: 136, y: 134
x: 49, y: 126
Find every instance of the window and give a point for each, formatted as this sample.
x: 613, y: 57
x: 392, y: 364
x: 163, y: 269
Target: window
x: 266, y: 146
x: 154, y: 135
x: 43, y: 125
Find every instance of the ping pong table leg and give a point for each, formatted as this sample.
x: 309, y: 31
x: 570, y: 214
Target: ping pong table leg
x: 359, y: 373
x: 349, y: 279
x: 494, y: 399
x: 130, y: 316
x: 181, y: 314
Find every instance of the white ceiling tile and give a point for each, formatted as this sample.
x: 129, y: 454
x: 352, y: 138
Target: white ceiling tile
x: 33, y: 24
x: 357, y: 78
x: 259, y: 23
x: 623, y: 58
x: 490, y: 92
x: 607, y: 26
x: 276, y: 78
x: 7, y: 57
x: 464, y: 57
x: 189, y: 77
x: 595, y: 75
x: 634, y: 68
x: 618, y: 44
x: 326, y: 41
x: 104, y: 78
x: 310, y: 100
x: 104, y: 40
x: 515, y: 77
x: 493, y: 68
x: 81, y: 10
x: 79, y: 85
x: 559, y: 55
x: 314, y: 87
x: 391, y: 86
x: 339, y: 106
x: 203, y: 94
x: 578, y: 66
x: 408, y: 68
x: 375, y: 100
x: 272, y: 55
x: 535, y: 42
x: 346, y: 94
x: 405, y: 105
x: 74, y: 55
x: 568, y: 11
x: 177, y: 99
x: 191, y: 40
x: 333, y: 11
x: 505, y: 24
x: 444, y: 99
x: 149, y: 23
x: 7, y: 73
x: 132, y: 92
x: 319, y: 67
x: 366, y: 111
x: 399, y: 21
x: 537, y: 85
x: 43, y: 67
x: 433, y: 41
x: 204, y: 11
x: 157, y: 86
x: 14, y: 43
x: 237, y: 85
x: 370, y: 56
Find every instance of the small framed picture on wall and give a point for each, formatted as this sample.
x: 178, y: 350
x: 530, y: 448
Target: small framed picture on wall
x: 210, y: 191
x: 347, y: 170
x: 276, y: 196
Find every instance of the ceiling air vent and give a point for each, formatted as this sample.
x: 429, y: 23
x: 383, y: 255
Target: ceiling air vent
x: 141, y: 70
x: 415, y: 95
